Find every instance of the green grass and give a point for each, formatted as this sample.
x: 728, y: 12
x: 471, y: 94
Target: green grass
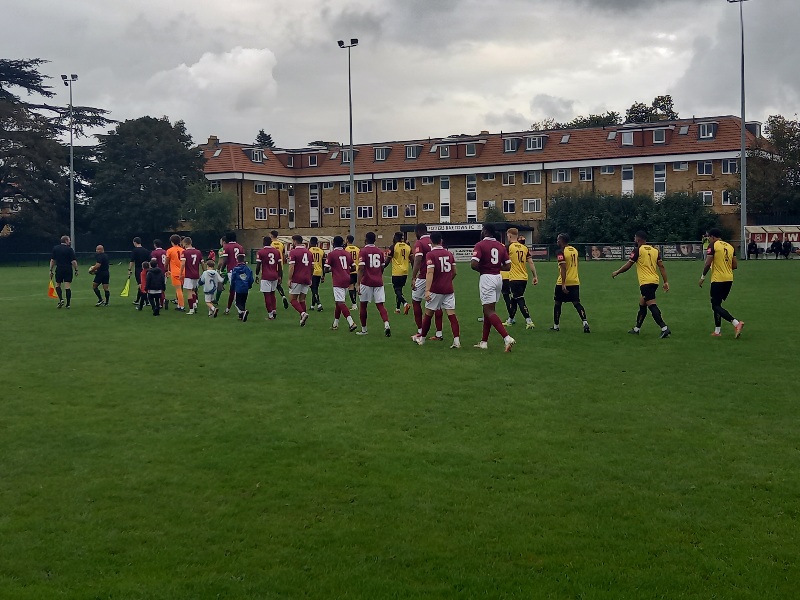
x: 305, y: 463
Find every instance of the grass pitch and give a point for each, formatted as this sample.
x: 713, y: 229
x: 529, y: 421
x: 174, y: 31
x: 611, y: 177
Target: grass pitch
x: 185, y: 457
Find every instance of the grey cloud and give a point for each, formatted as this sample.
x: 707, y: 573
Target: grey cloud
x: 545, y: 106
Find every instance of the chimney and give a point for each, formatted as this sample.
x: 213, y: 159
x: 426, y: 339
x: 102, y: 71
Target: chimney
x: 213, y: 141
x: 484, y: 132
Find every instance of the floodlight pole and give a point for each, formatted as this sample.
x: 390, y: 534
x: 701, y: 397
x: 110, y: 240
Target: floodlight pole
x: 743, y: 160
x: 68, y: 80
x: 352, y: 44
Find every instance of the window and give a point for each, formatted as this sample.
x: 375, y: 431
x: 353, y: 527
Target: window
x: 412, y: 152
x: 680, y: 166
x: 381, y: 153
x: 659, y: 180
x: 627, y: 138
x: 509, y: 179
x: 411, y: 210
x: 344, y: 188
x: 509, y: 206
x: 728, y: 198
x: 660, y: 136
x: 565, y: 138
x: 428, y: 207
x: 683, y: 130
x: 273, y: 212
x: 444, y: 210
x: 364, y: 212
x: 389, y: 211
x: 705, y: 167
x: 708, y: 198
x: 612, y: 135
x: 444, y: 151
x: 284, y: 211
x: 532, y: 205
x: 531, y: 177
x: 328, y: 185
x: 729, y: 167
x: 488, y: 204
x: 272, y: 185
x: 607, y: 170
x: 346, y: 157
x: 344, y: 212
x: 627, y: 172
x: 585, y: 174
x: 261, y: 214
x: 510, y: 144
x: 410, y: 184
x: 282, y: 186
x: 534, y: 143
x: 364, y: 187
x: 427, y: 181
x: 329, y: 210
x: 470, y: 150
x: 213, y: 186
x: 312, y: 160
x: 562, y: 175
x: 258, y: 155
x: 444, y: 182
x: 388, y: 185
x: 706, y: 131
x: 290, y: 161
x: 488, y: 177
x: 260, y: 187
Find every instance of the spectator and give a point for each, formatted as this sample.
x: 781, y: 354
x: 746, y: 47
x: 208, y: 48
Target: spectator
x: 787, y: 249
x: 752, y: 248
x: 776, y: 248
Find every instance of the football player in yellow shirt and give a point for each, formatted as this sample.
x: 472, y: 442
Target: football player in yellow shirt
x: 318, y: 275
x: 721, y: 259
x: 400, y: 255
x: 568, y: 285
x: 280, y: 247
x: 648, y: 265
x: 354, y: 251
x: 518, y: 275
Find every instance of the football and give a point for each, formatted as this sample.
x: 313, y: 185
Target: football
x: 91, y: 270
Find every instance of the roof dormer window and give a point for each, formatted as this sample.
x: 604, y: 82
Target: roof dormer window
x: 510, y: 144
x: 471, y: 150
x: 534, y: 142
x: 659, y: 136
x: 346, y: 157
x: 312, y: 160
x: 257, y: 155
x: 444, y: 151
x: 706, y: 131
x: 627, y: 138
x: 290, y: 161
x: 381, y: 154
x: 412, y: 152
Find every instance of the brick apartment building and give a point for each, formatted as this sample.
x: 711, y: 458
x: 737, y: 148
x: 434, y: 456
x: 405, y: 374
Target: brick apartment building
x: 454, y: 179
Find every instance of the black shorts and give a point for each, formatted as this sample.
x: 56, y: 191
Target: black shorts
x: 518, y: 287
x: 720, y: 290
x: 573, y: 294
x: 315, y: 279
x: 648, y: 291
x: 101, y: 278
x: 399, y: 281
x: 63, y: 274
x: 506, y: 286
x: 353, y: 278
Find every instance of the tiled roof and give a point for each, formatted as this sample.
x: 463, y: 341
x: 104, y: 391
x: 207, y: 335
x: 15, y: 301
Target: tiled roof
x: 583, y: 144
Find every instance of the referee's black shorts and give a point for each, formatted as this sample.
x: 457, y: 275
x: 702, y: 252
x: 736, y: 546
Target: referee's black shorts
x: 63, y: 275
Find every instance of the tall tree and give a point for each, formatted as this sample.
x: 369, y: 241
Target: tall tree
x: 660, y: 109
x: 209, y: 211
x: 33, y: 161
x: 773, y: 170
x: 264, y: 139
x: 144, y: 168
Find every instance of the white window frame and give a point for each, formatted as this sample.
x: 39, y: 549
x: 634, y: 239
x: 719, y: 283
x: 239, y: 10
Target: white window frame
x: 388, y: 185
x: 444, y: 182
x: 364, y: 186
x: 260, y: 213
x: 470, y: 150
x: 680, y: 166
x: 327, y: 185
x: 214, y: 185
x: 531, y: 205
x: 627, y: 138
x: 607, y: 170
x: 531, y: 178
x: 284, y: 211
x: 444, y: 151
x: 410, y: 184
x: 510, y: 178
x: 627, y: 169
x: 312, y: 160
x: 487, y: 204
x: 381, y: 154
x: 726, y: 166
x: 364, y: 212
x: 410, y: 211
x: 412, y: 152
x: 444, y: 210
x: 488, y: 177
x: 346, y: 156
x: 389, y: 211
x: 585, y: 173
x: 344, y: 187
x: 535, y: 142
x: 705, y: 131
x: 562, y: 175
x: 510, y: 145
x: 344, y: 213
x: 428, y: 180
x: 659, y: 136
x: 258, y: 155
x: 428, y: 207
x: 260, y: 187
x: 659, y: 180
x: 509, y: 206
x: 708, y: 165
x: 290, y: 161
x: 726, y: 198
x: 273, y: 212
x: 708, y: 198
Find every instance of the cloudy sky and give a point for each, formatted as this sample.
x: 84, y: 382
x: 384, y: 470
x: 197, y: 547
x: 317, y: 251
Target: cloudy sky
x: 423, y: 68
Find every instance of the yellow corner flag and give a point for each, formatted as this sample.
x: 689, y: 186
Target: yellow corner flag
x: 51, y: 290
x: 126, y: 289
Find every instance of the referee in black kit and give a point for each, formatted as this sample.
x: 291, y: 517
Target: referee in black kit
x: 63, y: 260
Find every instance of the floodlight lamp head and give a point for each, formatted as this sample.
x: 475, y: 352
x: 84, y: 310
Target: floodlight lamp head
x: 340, y: 42
x: 354, y: 41
x: 73, y: 77
x: 64, y: 77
